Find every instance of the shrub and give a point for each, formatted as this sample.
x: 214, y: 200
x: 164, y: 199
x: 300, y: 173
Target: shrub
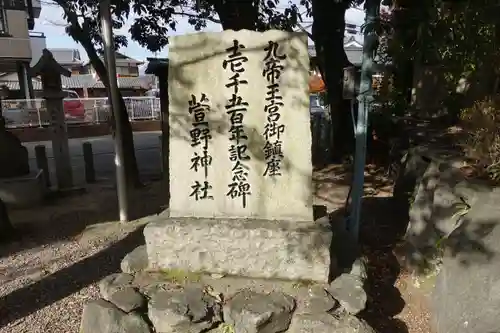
x: 481, y: 123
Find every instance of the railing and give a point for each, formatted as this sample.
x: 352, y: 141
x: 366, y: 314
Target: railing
x: 33, y: 112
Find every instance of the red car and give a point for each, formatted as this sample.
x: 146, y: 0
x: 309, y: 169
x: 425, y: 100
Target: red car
x: 73, y: 106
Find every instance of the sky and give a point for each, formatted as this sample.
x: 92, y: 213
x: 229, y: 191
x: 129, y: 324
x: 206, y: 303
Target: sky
x: 51, y: 20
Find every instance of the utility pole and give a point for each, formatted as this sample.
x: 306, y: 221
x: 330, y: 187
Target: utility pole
x: 365, y: 99
x: 109, y: 55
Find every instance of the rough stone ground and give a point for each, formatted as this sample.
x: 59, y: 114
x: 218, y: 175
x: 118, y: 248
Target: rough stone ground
x: 68, y: 246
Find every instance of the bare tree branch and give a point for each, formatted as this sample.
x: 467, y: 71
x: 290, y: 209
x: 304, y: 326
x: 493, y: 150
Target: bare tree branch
x: 56, y: 24
x: 301, y: 28
x: 212, y: 19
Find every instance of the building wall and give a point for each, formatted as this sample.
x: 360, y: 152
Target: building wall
x: 38, y: 42
x: 17, y: 45
x: 127, y: 70
x: 37, y: 8
x: 122, y: 69
x: 74, y: 69
x: 17, y: 25
x: 98, y: 92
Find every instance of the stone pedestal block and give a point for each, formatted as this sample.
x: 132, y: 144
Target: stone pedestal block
x: 23, y: 192
x: 245, y: 247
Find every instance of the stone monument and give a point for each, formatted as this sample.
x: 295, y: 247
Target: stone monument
x: 50, y: 71
x: 13, y: 155
x: 18, y: 186
x: 240, y: 160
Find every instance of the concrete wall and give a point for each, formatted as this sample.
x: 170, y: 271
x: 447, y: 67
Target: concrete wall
x: 38, y: 42
x: 18, y: 46
x: 36, y: 134
x: 17, y: 23
x: 37, y: 8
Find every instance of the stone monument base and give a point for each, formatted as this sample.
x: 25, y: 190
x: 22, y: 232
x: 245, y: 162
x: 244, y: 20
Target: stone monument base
x: 24, y: 191
x: 245, y: 247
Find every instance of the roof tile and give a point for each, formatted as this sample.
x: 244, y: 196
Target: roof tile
x: 89, y: 81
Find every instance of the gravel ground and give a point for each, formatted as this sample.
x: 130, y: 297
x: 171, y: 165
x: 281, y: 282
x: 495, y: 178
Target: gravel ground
x: 25, y: 297
x: 416, y: 312
x: 43, y: 289
x: 47, y: 276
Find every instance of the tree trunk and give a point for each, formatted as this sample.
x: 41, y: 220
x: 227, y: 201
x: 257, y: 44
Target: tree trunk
x: 77, y: 31
x: 404, y: 38
x: 130, y: 161
x: 328, y: 32
x: 237, y: 14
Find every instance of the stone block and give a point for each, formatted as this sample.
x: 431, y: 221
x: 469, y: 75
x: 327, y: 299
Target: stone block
x: 348, y: 290
x: 189, y: 310
x: 441, y: 198
x: 315, y: 299
x: 253, y: 312
x: 24, y: 191
x: 466, y: 297
x: 113, y: 283
x: 326, y: 323
x: 135, y: 261
x: 246, y: 247
x: 127, y: 299
x: 103, y: 317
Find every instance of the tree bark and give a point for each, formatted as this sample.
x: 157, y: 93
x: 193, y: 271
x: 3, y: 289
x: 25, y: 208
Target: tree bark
x: 404, y: 38
x: 328, y: 33
x: 237, y: 14
x: 130, y: 161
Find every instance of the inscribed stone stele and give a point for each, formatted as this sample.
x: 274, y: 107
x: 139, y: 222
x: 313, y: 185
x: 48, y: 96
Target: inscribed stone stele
x: 240, y: 140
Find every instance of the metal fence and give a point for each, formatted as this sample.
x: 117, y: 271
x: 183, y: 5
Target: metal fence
x: 33, y: 112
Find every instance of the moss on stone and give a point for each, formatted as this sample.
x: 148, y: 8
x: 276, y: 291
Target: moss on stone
x: 179, y: 276
x: 226, y: 328
x: 303, y: 283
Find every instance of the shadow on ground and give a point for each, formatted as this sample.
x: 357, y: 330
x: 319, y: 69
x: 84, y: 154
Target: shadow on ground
x: 381, y: 229
x: 67, y: 218
x: 25, y: 301
x: 341, y: 175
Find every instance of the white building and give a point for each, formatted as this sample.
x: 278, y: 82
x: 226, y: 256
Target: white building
x: 17, y: 18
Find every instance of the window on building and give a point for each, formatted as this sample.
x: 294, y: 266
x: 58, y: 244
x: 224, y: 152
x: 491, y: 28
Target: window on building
x: 122, y: 70
x: 14, y: 4
x: 351, y: 28
x: 133, y: 71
